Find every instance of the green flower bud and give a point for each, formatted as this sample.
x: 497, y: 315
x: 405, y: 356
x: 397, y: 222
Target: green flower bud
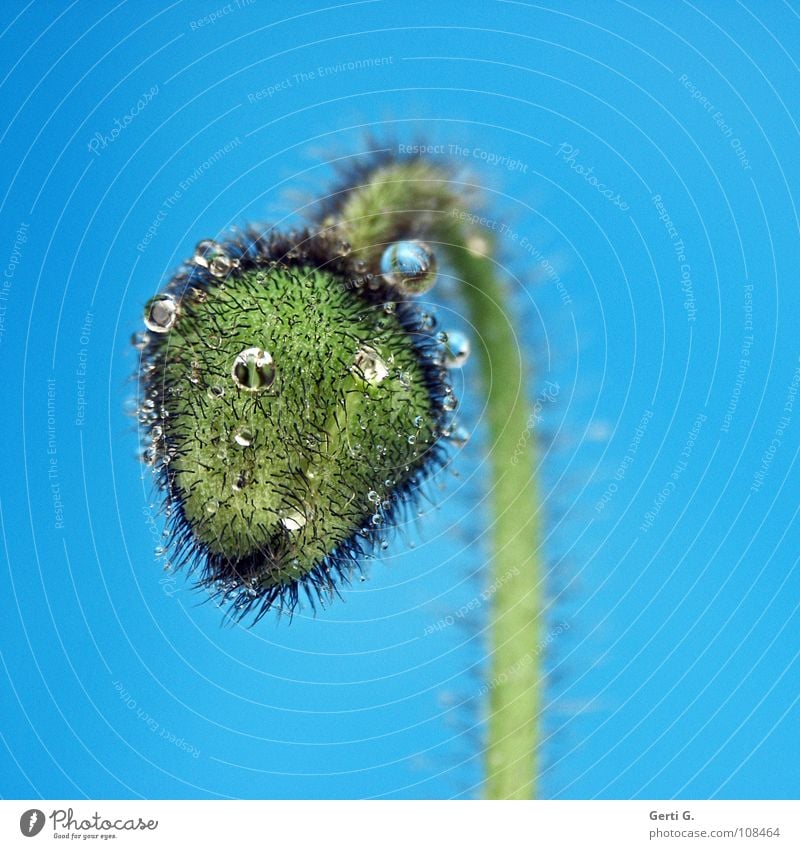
x: 293, y: 405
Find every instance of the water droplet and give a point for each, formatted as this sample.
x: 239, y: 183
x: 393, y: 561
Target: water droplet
x: 293, y: 521
x: 457, y: 349
x: 140, y: 340
x: 215, y: 392
x: 459, y: 436
x: 253, y: 370
x: 450, y: 402
x: 419, y: 421
x: 412, y: 439
x: 377, y: 519
x: 212, y: 507
x: 409, y: 266
x: 389, y: 307
x: 241, y: 483
x: 243, y: 437
x: 220, y: 265
x: 427, y: 321
x: 161, y: 313
x: 373, y: 496
x: 211, y: 255
x: 369, y: 366
x: 198, y: 295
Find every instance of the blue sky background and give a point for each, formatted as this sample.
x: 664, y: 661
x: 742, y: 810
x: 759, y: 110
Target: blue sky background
x: 669, y: 455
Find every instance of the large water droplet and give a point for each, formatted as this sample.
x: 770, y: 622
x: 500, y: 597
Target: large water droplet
x: 369, y: 366
x: 409, y: 267
x: 253, y: 370
x: 161, y: 313
x: 457, y: 349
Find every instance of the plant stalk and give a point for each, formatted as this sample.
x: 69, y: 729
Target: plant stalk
x: 417, y: 195
x: 514, y: 678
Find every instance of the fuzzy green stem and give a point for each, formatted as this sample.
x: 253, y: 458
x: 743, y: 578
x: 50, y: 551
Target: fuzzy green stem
x: 418, y: 197
x: 514, y: 679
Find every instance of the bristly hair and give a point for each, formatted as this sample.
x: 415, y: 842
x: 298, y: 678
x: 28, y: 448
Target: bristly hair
x: 222, y: 577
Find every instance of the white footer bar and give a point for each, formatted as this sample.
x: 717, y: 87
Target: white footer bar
x: 410, y: 825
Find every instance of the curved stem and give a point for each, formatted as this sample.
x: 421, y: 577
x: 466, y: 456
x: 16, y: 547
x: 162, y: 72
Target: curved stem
x: 408, y: 197
x: 514, y: 679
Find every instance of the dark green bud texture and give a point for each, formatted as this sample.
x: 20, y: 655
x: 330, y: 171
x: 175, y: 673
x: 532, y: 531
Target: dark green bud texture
x: 292, y: 405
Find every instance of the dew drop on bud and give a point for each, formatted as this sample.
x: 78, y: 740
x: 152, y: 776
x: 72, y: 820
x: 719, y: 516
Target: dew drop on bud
x: 211, y: 255
x: 369, y: 366
x: 220, y: 265
x: 243, y: 437
x: 293, y: 521
x: 409, y: 267
x: 161, y: 313
x: 253, y: 370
